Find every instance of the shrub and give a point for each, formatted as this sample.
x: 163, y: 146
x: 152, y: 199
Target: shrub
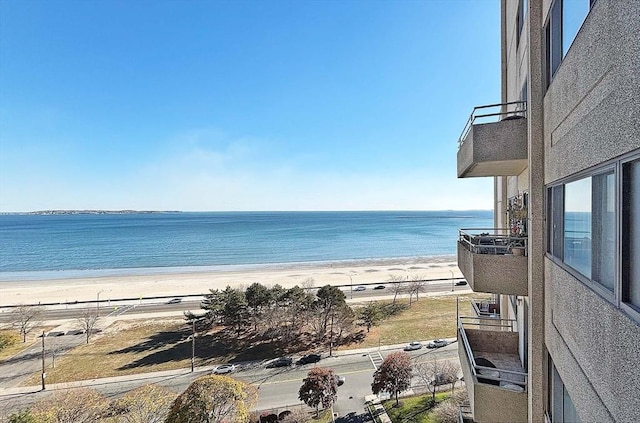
x: 8, y: 338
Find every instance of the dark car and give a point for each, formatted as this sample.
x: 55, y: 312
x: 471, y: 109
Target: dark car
x: 309, y: 358
x: 461, y: 283
x: 280, y: 362
x: 379, y: 287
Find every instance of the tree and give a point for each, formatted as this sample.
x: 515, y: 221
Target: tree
x: 320, y: 387
x: 25, y: 318
x: 147, y: 404
x: 371, y: 314
x: 328, y: 298
x: 80, y: 405
x: 257, y: 296
x: 213, y: 304
x: 416, y: 286
x: 87, y: 322
x: 396, y: 285
x: 214, y: 399
x: 434, y: 373
x: 234, y: 308
x: 394, y: 374
x: 24, y: 416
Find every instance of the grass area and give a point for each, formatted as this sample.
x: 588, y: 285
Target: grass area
x: 428, y: 318
x: 129, y: 347
x: 18, y: 347
x: 414, y: 409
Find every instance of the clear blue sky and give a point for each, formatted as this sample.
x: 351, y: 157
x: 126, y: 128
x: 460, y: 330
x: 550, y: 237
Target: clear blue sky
x: 242, y: 105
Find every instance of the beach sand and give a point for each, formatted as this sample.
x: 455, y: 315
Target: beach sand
x: 193, y: 283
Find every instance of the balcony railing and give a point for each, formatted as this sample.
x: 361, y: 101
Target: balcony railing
x: 493, y: 113
x: 502, y: 377
x: 485, y: 308
x: 493, y: 241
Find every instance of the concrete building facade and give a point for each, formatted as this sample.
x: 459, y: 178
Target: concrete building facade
x: 560, y: 341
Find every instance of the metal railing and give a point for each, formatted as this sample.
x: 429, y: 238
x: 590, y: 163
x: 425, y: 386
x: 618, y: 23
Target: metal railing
x: 491, y: 240
x: 483, y: 308
x: 485, y: 114
x: 484, y: 372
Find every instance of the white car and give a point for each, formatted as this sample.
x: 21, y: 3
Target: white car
x: 437, y: 343
x: 225, y: 368
x: 360, y: 288
x: 413, y: 346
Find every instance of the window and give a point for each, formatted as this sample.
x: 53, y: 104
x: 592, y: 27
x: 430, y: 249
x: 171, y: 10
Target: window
x: 593, y: 230
x: 582, y: 226
x: 520, y: 19
x: 560, y: 407
x: 631, y: 234
x: 565, y: 20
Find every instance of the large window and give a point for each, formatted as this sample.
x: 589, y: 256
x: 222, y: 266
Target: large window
x: 593, y: 230
x: 522, y: 13
x: 582, y: 227
x: 565, y: 20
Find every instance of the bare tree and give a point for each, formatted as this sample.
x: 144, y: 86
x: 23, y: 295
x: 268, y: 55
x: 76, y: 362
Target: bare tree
x: 308, y: 284
x: 396, y: 285
x: 87, y: 322
x: 55, y: 349
x: 416, y: 285
x: 25, y: 318
x: 434, y: 373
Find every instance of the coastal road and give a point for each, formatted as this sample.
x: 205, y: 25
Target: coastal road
x: 115, y: 307
x: 278, y: 388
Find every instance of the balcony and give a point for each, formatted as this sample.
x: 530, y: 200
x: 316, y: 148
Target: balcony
x: 485, y: 309
x: 495, y: 379
x: 494, y: 141
x: 493, y: 261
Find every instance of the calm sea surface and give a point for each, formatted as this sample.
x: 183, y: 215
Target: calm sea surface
x: 45, y: 247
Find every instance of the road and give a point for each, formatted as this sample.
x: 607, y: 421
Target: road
x: 120, y: 307
x: 278, y: 388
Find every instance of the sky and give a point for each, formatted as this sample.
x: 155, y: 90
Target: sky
x: 242, y: 105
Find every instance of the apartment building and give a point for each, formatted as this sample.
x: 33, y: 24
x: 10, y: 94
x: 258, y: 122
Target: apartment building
x: 560, y: 339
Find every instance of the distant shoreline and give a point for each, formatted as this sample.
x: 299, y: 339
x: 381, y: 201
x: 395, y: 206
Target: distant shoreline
x: 75, y: 212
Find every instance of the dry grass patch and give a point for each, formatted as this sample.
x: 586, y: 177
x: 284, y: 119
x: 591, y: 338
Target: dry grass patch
x: 32, y: 338
x: 428, y: 318
x: 115, y: 352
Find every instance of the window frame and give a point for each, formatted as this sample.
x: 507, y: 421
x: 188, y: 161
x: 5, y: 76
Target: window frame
x: 630, y: 309
x: 615, y: 297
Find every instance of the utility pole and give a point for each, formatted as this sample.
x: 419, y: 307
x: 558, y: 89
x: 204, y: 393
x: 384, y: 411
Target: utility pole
x: 193, y: 345
x: 98, y: 303
x: 44, y: 375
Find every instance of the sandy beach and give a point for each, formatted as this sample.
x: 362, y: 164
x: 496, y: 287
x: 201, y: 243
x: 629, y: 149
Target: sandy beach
x: 190, y: 283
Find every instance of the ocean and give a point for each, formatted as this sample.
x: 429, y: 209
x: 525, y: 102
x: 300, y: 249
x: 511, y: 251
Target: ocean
x: 34, y: 247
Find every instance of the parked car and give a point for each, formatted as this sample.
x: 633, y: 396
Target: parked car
x: 280, y: 362
x: 461, y: 283
x: 380, y: 287
x: 309, y: 358
x: 437, y: 343
x: 225, y: 368
x: 413, y: 346
x: 340, y: 380
x: 360, y: 288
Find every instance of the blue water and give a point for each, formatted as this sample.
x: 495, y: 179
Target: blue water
x: 39, y: 246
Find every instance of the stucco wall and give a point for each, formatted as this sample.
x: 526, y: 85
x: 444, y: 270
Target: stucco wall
x: 595, y: 347
x: 592, y: 107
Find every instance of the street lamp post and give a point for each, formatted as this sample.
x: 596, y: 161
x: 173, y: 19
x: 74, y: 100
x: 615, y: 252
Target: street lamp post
x: 351, y: 285
x: 452, y: 285
x: 98, y: 303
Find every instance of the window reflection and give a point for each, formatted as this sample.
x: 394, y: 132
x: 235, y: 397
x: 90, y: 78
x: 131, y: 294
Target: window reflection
x: 577, y: 226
